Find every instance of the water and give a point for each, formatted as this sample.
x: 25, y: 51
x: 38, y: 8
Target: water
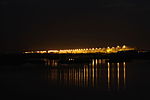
x: 96, y: 79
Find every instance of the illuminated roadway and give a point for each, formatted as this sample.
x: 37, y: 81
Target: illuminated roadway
x: 86, y: 50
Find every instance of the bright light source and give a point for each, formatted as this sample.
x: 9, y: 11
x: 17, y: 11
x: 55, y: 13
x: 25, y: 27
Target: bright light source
x: 123, y: 46
x: 86, y: 50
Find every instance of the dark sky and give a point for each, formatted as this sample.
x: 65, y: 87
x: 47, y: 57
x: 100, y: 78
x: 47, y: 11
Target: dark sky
x: 60, y: 24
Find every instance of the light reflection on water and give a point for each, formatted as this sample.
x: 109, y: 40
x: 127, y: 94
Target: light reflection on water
x: 97, y: 74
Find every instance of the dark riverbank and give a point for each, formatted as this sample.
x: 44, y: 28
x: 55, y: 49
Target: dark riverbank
x: 21, y: 58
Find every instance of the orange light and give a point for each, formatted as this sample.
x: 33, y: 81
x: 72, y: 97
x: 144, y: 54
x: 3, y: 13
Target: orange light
x: 86, y: 50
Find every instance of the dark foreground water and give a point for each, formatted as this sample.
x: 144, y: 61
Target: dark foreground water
x: 98, y: 79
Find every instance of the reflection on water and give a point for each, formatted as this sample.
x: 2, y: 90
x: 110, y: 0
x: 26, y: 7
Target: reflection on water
x: 51, y: 63
x: 97, y: 74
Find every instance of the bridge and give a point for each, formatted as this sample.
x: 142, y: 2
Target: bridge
x: 86, y: 50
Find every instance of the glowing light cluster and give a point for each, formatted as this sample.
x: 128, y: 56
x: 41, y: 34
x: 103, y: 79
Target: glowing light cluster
x: 86, y: 50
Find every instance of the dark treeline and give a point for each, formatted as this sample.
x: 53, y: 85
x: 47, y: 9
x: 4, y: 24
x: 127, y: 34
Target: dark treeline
x: 21, y: 58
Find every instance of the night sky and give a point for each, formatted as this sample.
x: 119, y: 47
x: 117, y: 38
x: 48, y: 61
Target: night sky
x: 61, y: 24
